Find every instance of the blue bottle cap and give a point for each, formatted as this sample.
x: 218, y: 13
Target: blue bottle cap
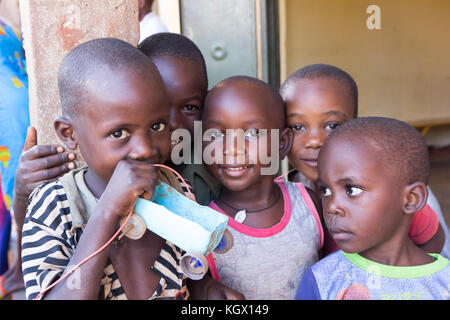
x: 226, y: 243
x: 194, y: 265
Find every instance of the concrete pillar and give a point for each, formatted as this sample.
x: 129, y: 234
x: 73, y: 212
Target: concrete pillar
x: 51, y: 28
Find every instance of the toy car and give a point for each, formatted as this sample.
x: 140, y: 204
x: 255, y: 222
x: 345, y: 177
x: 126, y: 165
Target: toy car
x: 194, y: 228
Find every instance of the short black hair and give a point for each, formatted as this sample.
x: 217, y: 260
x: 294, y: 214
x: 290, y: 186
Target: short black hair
x: 93, y: 58
x: 277, y: 99
x: 318, y: 70
x: 403, y: 148
x: 174, y: 45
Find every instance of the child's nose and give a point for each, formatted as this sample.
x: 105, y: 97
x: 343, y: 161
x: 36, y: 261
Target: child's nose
x: 234, y: 144
x: 175, y: 119
x: 333, y: 207
x: 143, y: 148
x: 315, y: 139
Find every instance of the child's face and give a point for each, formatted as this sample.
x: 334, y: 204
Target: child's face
x: 242, y: 106
x: 314, y: 108
x: 186, y: 89
x: 126, y: 118
x: 362, y: 202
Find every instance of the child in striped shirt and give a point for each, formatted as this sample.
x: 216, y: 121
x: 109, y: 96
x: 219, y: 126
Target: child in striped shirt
x: 115, y: 109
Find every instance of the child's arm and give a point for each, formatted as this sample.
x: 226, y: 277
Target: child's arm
x: 37, y: 164
x: 129, y: 180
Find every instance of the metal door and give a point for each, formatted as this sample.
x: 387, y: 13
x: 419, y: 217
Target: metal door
x: 236, y: 37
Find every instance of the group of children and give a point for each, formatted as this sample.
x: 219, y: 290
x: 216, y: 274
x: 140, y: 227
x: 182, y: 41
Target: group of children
x: 364, y: 193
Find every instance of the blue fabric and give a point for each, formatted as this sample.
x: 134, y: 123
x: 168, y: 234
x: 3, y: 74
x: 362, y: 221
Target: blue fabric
x: 308, y: 290
x: 14, y: 115
x: 14, y: 120
x: 342, y: 276
x: 5, y: 231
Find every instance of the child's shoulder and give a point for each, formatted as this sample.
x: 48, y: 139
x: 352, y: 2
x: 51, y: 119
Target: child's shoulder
x: 51, y: 197
x: 330, y: 261
x: 334, y: 266
x: 47, y: 189
x: 295, y: 190
x: 299, y: 190
x: 47, y: 205
x: 290, y: 184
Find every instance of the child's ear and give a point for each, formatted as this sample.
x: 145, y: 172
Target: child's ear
x: 415, y: 197
x: 286, y: 138
x: 65, y: 131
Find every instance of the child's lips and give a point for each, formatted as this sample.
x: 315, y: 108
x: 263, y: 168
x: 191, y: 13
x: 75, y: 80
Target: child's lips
x: 340, y: 234
x: 235, y: 171
x: 310, y: 162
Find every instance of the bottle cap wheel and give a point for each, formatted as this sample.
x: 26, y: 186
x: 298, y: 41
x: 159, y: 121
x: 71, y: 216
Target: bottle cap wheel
x: 138, y: 229
x: 226, y: 243
x: 194, y: 265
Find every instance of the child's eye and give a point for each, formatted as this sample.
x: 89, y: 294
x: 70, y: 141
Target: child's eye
x: 324, y: 191
x: 332, y: 126
x: 254, y: 133
x: 119, y: 134
x: 216, y: 134
x: 190, y: 107
x: 297, y: 127
x: 353, y: 191
x: 158, y: 126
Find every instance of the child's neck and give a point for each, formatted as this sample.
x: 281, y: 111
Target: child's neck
x: 263, y: 204
x: 399, y: 253
x: 94, y: 183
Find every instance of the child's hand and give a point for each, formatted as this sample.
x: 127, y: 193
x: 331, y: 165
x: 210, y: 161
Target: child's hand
x: 211, y: 289
x: 219, y: 291
x: 40, y: 163
x: 131, y: 179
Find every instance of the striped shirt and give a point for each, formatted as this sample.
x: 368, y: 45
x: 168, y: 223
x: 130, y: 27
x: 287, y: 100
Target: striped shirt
x: 51, y: 233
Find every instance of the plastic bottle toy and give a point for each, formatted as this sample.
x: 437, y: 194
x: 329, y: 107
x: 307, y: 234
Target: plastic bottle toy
x: 194, y: 228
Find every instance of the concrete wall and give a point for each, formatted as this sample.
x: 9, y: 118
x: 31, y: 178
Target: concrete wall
x: 402, y: 70
x: 51, y: 28
x: 9, y: 10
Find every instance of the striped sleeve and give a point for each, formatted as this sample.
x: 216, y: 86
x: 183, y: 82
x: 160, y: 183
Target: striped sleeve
x: 47, y: 242
x: 173, y: 282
